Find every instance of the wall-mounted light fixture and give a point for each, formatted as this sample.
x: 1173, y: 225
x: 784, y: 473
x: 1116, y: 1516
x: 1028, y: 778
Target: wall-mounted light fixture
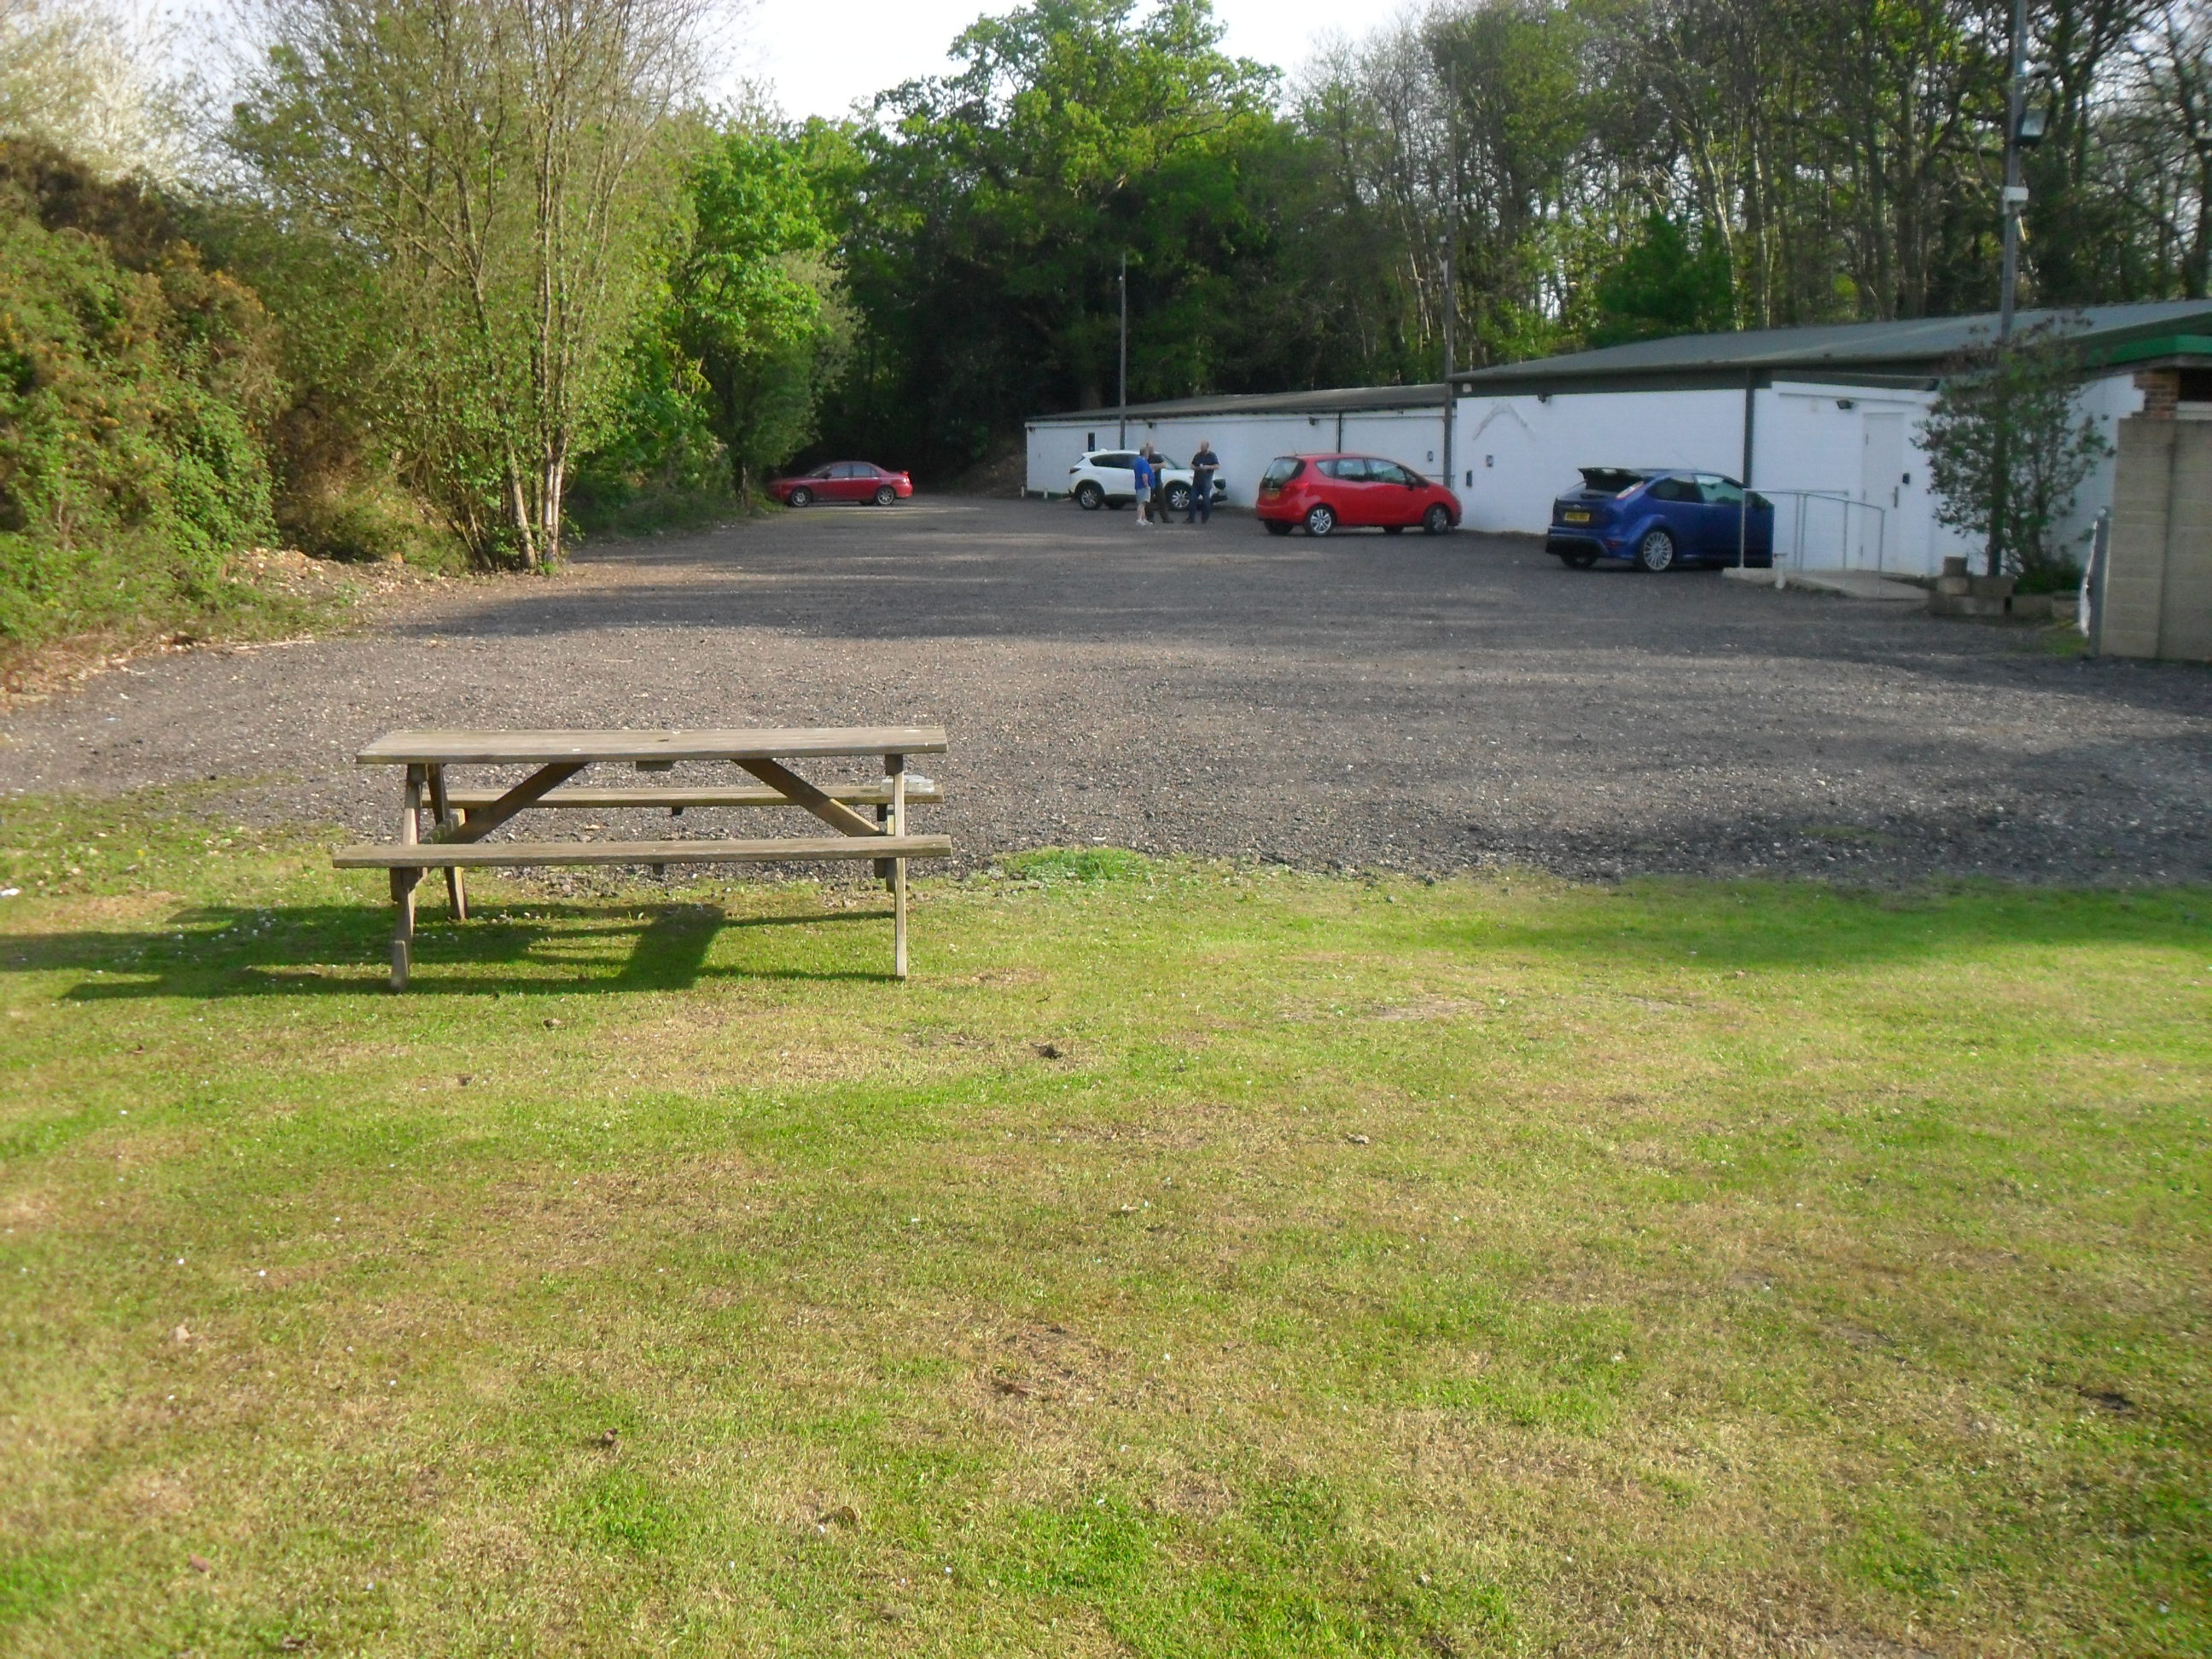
x: 1847, y: 402
x: 1543, y: 397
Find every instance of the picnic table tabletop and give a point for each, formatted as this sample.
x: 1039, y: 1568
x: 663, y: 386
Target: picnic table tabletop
x: 439, y: 747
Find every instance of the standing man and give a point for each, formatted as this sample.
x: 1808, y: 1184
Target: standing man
x: 1141, y: 480
x: 1203, y: 466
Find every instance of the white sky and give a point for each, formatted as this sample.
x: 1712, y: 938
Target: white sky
x: 820, y: 55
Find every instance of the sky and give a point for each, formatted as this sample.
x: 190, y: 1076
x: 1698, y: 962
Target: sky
x: 820, y: 55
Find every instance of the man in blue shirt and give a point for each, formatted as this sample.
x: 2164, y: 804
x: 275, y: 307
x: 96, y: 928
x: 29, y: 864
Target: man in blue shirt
x: 1203, y: 466
x: 1142, y: 468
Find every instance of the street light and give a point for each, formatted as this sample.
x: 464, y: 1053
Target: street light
x: 2023, y: 129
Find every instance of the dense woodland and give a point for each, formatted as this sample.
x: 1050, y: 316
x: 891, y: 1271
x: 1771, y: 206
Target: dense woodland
x: 431, y: 276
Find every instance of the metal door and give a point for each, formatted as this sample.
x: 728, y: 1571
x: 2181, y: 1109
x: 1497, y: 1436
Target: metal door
x: 1881, y: 475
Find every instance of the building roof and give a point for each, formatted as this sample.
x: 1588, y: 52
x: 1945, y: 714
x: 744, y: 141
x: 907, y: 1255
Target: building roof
x: 1358, y: 399
x: 1893, y: 353
x: 1908, y: 353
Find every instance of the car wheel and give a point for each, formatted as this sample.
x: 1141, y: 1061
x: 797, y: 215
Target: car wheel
x: 801, y: 497
x: 1437, y: 520
x: 885, y: 494
x: 1320, y: 520
x: 1656, y: 552
x: 1277, y: 526
x: 1088, y: 496
x: 1178, y: 498
x: 1581, y: 559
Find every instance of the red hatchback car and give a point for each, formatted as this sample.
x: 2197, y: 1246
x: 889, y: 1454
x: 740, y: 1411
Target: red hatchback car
x: 843, y: 481
x: 1326, y: 493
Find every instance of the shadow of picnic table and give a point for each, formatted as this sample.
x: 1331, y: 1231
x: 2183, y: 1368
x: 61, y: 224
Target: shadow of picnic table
x: 338, y: 950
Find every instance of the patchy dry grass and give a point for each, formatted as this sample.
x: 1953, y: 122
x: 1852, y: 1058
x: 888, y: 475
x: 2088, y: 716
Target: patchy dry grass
x: 1189, y: 1260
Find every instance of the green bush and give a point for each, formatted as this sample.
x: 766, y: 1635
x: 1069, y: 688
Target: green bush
x: 134, y: 385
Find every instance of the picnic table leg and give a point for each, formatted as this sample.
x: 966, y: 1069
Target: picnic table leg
x: 895, y: 765
x: 884, y: 865
x: 403, y: 881
x: 457, y: 894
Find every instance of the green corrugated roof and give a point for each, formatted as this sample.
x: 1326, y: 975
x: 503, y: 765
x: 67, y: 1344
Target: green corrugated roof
x: 1861, y: 354
x: 1911, y: 349
x: 1349, y: 400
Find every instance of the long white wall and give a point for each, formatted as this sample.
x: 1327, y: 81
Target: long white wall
x: 1843, y: 464
x: 1245, y: 443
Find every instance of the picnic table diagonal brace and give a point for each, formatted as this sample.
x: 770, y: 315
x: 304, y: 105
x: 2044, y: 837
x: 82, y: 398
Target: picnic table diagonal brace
x: 835, y: 813
x: 431, y: 778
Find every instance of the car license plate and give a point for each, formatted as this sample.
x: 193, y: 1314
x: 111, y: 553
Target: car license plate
x: 1576, y: 518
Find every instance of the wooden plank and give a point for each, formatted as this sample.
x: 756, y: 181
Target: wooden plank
x: 895, y: 765
x: 457, y: 898
x: 526, y: 793
x: 834, y: 813
x: 539, y: 747
x: 448, y: 855
x: 657, y: 796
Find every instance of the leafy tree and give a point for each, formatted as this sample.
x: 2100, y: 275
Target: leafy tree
x: 2008, y: 444
x: 990, y: 210
x: 1664, y: 284
x: 753, y: 301
x: 497, y: 173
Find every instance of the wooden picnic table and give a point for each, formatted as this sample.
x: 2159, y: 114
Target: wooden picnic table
x: 461, y: 818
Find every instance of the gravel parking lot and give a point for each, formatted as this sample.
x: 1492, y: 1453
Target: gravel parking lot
x: 1361, y: 702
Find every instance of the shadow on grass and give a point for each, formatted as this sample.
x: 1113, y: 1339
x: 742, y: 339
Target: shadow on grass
x: 220, y: 951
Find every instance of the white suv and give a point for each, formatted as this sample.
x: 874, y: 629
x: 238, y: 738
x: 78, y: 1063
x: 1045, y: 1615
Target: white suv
x: 1106, y: 477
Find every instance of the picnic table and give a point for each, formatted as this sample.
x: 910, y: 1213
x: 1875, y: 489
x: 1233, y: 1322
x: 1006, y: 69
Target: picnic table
x: 461, y: 818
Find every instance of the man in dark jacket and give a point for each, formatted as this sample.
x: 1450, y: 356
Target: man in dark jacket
x: 1203, y: 466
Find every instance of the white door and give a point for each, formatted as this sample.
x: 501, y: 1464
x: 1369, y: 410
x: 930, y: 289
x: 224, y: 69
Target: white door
x: 1882, y: 476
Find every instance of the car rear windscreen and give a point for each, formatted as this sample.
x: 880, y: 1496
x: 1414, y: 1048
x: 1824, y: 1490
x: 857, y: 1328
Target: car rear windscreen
x: 1610, y: 479
x: 1280, y: 471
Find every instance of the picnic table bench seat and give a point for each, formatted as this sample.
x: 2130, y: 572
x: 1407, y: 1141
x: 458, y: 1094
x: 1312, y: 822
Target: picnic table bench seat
x: 524, y: 854
x: 462, y: 819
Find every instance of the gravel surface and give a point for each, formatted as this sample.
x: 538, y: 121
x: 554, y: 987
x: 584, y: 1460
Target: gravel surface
x: 1360, y: 701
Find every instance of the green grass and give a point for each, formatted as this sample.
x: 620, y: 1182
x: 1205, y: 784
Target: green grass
x: 1197, y: 1261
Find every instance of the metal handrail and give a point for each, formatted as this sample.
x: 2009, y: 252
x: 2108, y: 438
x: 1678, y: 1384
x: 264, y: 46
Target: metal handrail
x: 1797, y: 529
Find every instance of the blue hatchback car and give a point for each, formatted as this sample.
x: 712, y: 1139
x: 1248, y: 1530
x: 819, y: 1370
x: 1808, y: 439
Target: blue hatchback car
x: 1657, y: 518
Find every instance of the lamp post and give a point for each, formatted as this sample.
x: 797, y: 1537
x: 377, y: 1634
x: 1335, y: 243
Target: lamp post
x: 2023, y: 131
x: 1451, y: 305
x: 1121, y: 384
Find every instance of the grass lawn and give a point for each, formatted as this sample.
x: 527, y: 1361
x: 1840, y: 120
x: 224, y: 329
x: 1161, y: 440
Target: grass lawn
x: 1189, y: 1260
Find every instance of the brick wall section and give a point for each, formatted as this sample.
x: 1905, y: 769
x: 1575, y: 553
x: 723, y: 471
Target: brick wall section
x: 2161, y: 389
x: 2157, y: 593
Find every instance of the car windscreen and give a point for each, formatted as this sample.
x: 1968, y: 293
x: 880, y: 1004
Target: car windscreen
x: 1280, y: 471
x: 1610, y: 479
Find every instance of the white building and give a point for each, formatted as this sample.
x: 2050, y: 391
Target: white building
x: 1822, y: 420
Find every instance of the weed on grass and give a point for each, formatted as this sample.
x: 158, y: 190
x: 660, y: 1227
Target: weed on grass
x: 1188, y: 1260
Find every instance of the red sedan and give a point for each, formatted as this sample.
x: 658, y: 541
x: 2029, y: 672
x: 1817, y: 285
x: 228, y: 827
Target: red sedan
x: 1326, y: 493
x: 843, y: 481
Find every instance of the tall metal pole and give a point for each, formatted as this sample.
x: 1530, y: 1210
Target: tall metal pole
x: 2015, y: 195
x: 1121, y: 438
x: 1451, y: 305
x: 2016, y: 199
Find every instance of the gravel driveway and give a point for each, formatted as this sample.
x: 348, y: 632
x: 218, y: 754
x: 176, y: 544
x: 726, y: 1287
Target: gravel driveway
x: 1358, y: 702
